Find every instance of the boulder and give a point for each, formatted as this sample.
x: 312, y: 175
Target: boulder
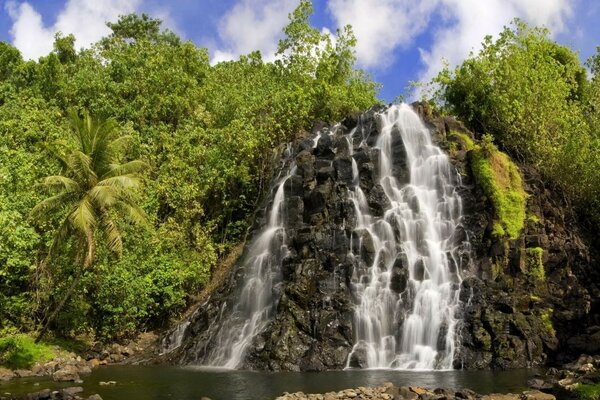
x: 536, y: 395
x: 66, y: 373
x: 6, y: 374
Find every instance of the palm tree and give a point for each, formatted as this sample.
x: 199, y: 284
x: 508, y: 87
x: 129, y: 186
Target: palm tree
x: 93, y: 190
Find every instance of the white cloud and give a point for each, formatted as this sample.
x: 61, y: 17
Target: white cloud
x: 28, y: 32
x: 252, y: 25
x: 381, y: 26
x: 471, y: 20
x: 85, y: 19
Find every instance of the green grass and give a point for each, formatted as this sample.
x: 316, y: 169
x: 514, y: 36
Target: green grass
x: 19, y: 351
x: 501, y: 181
x: 588, y: 392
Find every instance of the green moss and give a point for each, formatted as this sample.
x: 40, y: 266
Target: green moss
x: 535, y: 266
x: 588, y: 392
x: 465, y: 140
x: 533, y: 219
x: 547, y: 321
x: 501, y: 181
x: 498, y: 230
x: 21, y: 351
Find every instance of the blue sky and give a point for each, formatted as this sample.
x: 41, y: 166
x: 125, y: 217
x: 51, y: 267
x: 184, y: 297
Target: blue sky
x: 398, y: 40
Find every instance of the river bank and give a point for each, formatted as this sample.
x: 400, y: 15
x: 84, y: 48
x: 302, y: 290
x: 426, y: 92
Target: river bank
x: 390, y: 392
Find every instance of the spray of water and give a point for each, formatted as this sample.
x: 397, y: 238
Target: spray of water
x: 414, y: 329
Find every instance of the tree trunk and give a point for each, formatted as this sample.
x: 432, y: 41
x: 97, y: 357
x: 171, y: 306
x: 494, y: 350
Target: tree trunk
x: 89, y: 259
x: 59, y: 307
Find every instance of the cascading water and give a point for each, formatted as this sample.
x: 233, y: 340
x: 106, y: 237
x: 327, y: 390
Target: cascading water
x: 415, y: 329
x: 173, y: 340
x: 255, y: 302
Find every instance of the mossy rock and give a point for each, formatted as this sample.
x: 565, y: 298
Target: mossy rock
x: 501, y: 181
x: 482, y: 339
x: 534, y: 264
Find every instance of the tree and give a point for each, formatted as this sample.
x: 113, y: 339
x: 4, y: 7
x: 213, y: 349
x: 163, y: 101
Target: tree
x: 94, y: 189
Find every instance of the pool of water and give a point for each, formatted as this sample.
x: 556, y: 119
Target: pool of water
x: 183, y: 383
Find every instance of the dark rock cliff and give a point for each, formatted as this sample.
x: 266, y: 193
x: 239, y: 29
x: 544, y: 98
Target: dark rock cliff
x: 510, y: 318
x: 513, y: 318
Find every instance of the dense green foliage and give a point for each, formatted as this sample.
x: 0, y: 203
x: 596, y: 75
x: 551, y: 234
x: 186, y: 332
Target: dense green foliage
x: 534, y: 97
x: 207, y: 134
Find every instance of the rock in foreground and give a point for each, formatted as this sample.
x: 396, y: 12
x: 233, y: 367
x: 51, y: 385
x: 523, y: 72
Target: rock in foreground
x: 390, y: 392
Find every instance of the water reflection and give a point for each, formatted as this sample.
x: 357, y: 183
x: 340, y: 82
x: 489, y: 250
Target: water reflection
x: 161, y: 382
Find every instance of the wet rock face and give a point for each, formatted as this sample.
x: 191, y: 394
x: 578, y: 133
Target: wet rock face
x: 311, y: 324
x: 312, y: 327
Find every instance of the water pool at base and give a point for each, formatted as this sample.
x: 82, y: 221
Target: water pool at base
x: 189, y: 383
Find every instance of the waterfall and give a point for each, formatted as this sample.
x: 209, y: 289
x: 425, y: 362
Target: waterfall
x: 412, y: 328
x: 255, y: 302
x: 173, y: 340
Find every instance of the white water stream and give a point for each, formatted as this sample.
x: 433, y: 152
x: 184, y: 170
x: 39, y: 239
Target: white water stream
x: 417, y: 329
x: 255, y: 302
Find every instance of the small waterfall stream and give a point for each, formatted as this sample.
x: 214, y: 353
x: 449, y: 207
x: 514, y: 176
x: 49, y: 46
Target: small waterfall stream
x: 255, y: 302
x: 414, y: 329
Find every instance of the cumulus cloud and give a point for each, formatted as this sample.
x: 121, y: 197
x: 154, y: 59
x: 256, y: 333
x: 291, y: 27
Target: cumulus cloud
x: 469, y: 21
x: 459, y: 26
x: 28, y: 32
x: 252, y: 25
x: 85, y: 19
x: 381, y: 26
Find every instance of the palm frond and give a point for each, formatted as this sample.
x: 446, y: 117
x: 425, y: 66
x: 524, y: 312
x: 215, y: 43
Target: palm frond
x: 112, y: 233
x: 45, y: 208
x: 133, y: 212
x: 105, y: 196
x: 83, y: 216
x: 128, y: 168
x: 81, y: 165
x: 59, y: 182
x: 121, y: 181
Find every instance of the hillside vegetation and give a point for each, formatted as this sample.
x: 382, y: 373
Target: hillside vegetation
x: 534, y: 97
x: 201, y: 137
